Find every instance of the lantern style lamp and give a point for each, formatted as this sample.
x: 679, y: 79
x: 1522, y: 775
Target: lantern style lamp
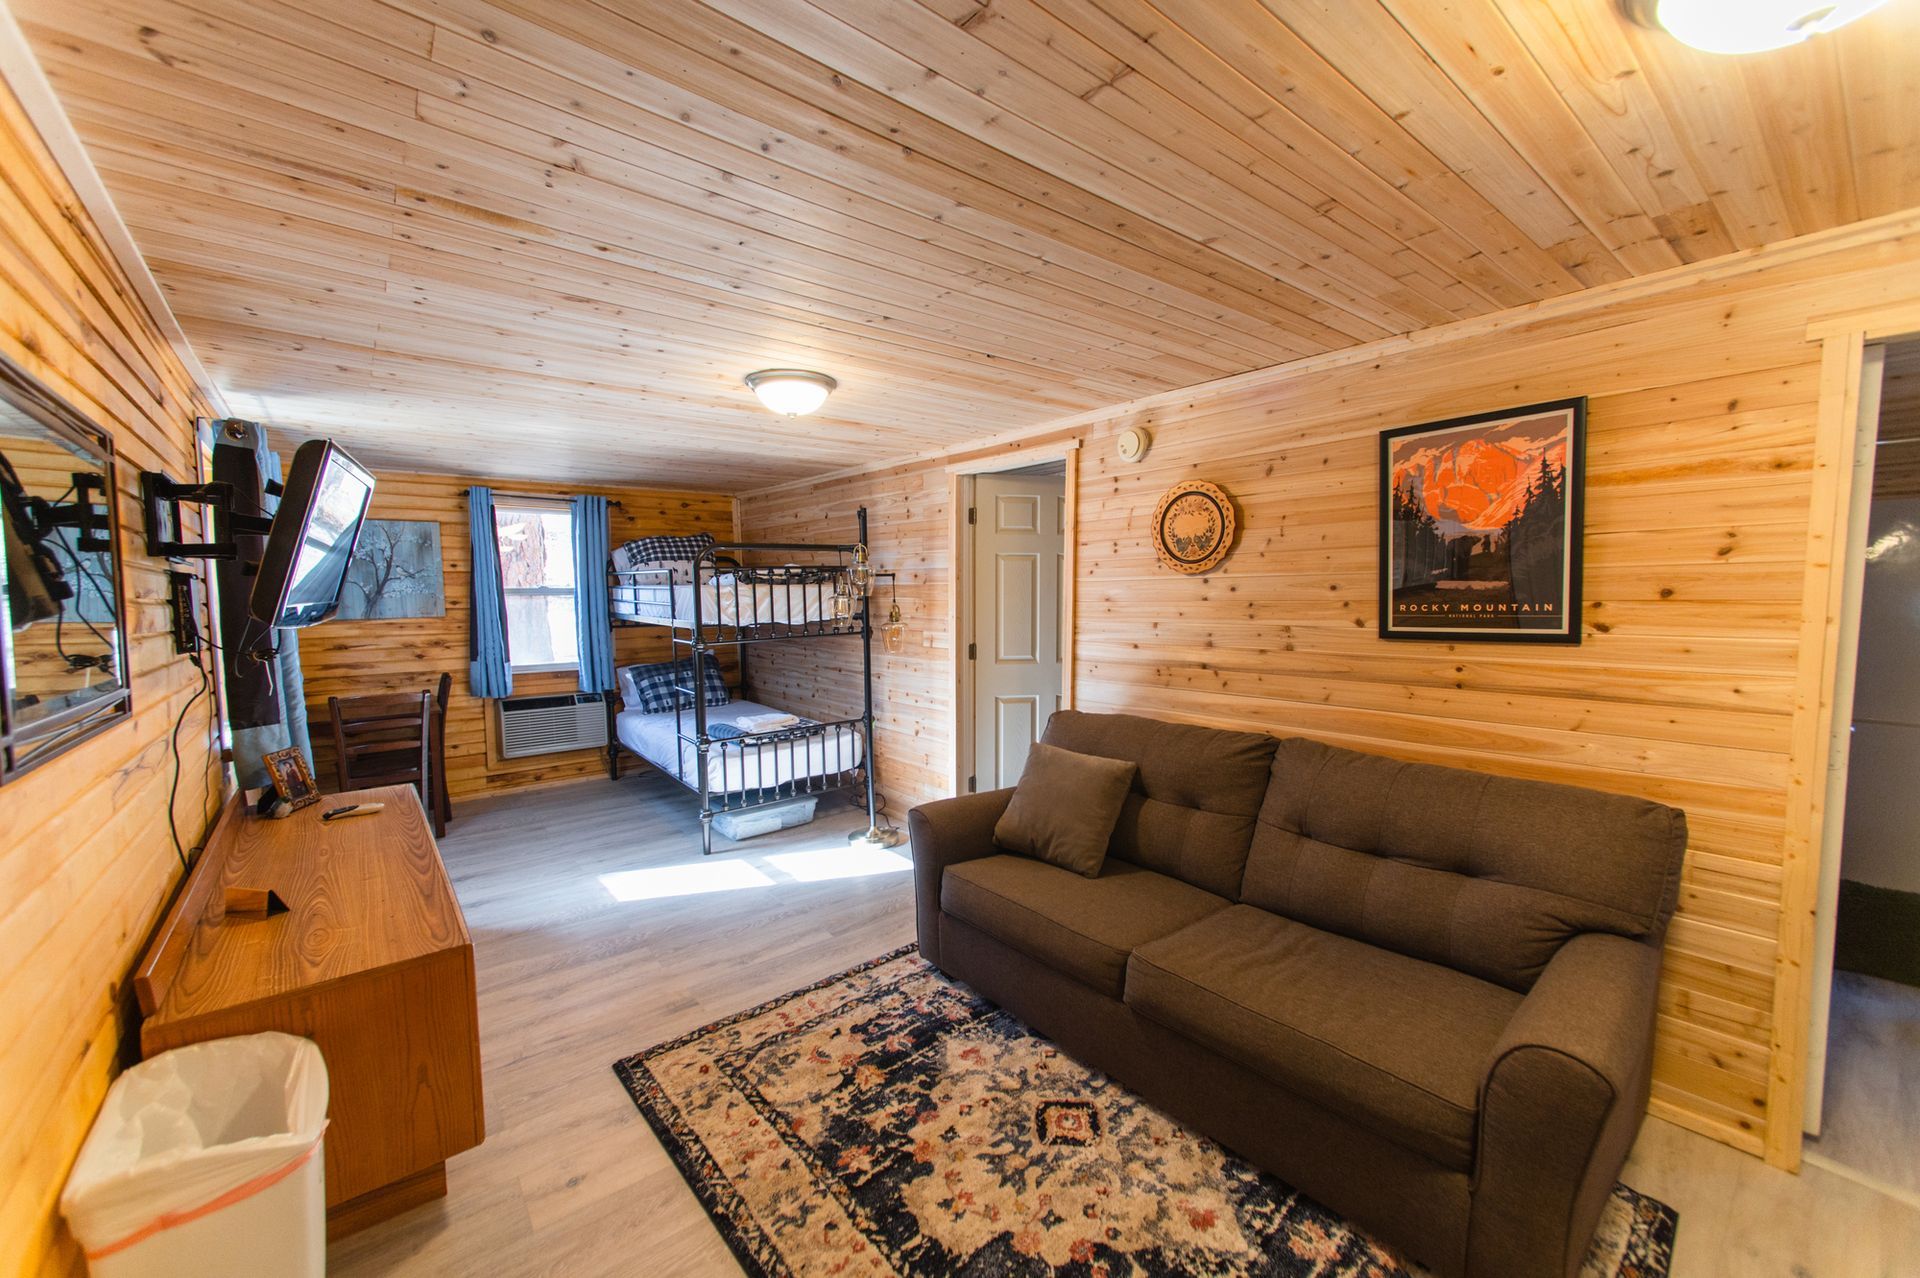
x: 861, y: 574
x: 893, y: 631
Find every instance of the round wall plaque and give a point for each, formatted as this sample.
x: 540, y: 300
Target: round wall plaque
x: 1193, y: 527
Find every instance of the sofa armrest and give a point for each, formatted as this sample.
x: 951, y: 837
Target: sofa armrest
x: 945, y: 833
x: 1564, y: 1094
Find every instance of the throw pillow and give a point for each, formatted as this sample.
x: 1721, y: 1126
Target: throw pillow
x: 650, y: 688
x: 1065, y: 807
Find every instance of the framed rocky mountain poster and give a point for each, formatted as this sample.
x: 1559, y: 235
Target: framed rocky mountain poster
x: 1480, y: 526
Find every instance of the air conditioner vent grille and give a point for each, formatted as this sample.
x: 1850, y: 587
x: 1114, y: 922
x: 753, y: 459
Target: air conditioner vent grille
x: 549, y: 724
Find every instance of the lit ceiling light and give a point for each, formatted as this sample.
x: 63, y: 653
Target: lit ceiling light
x: 1746, y: 26
x: 793, y: 392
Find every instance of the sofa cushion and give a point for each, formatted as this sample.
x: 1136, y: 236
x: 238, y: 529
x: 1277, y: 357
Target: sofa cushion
x: 1083, y: 927
x: 1388, y: 1041
x: 1194, y: 799
x: 1064, y: 808
x: 1489, y: 875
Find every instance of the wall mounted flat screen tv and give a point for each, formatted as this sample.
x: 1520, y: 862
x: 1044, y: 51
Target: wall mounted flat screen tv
x: 314, y: 533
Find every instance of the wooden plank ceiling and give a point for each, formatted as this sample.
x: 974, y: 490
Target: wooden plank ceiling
x: 547, y: 237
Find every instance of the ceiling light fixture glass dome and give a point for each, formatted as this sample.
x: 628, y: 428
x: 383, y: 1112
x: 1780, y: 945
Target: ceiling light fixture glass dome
x: 1746, y: 26
x: 792, y: 392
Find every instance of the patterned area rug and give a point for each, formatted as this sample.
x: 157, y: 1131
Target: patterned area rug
x: 888, y: 1121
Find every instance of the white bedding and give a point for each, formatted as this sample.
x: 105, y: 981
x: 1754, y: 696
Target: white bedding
x: 655, y: 738
x: 762, y: 603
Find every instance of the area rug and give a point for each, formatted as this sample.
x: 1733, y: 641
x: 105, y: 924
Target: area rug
x: 888, y: 1121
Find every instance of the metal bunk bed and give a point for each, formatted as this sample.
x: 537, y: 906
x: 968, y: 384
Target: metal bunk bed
x: 737, y: 597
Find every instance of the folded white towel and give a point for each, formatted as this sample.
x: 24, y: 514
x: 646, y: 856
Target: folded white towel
x: 766, y: 722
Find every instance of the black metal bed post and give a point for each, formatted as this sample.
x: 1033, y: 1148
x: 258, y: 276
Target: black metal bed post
x: 866, y: 671
x: 702, y: 742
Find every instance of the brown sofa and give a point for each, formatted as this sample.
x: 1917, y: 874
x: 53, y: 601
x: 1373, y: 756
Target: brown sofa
x: 1423, y: 996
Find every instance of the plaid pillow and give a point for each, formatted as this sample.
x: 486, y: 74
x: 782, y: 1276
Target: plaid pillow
x: 650, y: 688
x: 668, y: 552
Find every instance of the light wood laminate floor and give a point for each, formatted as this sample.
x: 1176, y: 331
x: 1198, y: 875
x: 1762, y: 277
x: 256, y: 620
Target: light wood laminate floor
x: 571, y: 1181
x: 1871, y: 1124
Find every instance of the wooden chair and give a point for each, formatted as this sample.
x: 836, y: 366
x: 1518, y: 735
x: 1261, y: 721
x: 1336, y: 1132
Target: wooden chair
x: 386, y: 740
x: 443, y: 814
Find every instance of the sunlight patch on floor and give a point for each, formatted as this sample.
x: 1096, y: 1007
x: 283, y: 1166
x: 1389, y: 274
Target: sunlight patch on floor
x: 841, y: 862
x: 732, y: 872
x: 683, y: 880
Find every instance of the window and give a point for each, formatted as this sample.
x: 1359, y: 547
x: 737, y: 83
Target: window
x: 536, y: 572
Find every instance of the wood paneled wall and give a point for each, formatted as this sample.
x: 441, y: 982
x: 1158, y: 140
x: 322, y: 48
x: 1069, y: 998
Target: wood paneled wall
x: 348, y: 658
x: 1703, y: 395
x: 86, y: 860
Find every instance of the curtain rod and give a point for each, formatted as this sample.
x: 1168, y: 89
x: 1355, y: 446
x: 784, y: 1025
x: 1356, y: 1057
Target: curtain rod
x: 468, y: 492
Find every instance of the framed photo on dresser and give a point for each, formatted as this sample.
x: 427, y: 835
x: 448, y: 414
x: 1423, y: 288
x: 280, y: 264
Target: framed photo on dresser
x: 1480, y: 526
x: 292, y: 778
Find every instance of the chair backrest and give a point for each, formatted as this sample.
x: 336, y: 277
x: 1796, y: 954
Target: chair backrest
x: 1487, y: 875
x: 382, y: 739
x: 1194, y: 798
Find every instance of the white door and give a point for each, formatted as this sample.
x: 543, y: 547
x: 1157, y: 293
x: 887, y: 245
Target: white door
x: 1019, y: 554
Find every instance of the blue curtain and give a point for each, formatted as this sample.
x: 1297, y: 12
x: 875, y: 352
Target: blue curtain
x: 590, y: 554
x: 491, y: 675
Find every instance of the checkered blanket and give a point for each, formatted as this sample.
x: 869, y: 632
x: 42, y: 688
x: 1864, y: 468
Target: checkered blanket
x: 651, y: 687
x: 675, y: 553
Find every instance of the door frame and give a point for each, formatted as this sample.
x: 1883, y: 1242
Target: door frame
x: 1843, y: 339
x: 960, y: 493
x: 1853, y: 565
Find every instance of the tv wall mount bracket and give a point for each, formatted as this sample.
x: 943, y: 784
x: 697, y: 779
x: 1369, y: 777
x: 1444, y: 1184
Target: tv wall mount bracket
x: 161, y: 499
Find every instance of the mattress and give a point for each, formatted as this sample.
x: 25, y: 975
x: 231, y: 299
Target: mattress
x: 656, y: 738
x: 722, y: 604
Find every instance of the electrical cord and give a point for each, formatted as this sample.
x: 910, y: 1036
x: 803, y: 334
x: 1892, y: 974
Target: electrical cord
x: 173, y: 791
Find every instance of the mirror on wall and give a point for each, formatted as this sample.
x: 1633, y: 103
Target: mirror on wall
x: 63, y: 644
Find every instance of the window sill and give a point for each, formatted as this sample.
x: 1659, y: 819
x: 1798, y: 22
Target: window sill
x: 570, y: 666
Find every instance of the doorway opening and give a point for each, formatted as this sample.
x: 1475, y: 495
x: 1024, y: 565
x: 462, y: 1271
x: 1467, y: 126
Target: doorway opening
x: 1863, y: 1103
x: 1013, y: 612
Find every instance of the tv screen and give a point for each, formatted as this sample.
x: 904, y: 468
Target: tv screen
x: 314, y: 533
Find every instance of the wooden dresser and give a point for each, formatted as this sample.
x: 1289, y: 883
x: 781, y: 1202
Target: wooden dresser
x: 371, y: 961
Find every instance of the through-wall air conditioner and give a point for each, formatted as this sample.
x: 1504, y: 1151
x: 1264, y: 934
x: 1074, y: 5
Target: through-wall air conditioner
x: 545, y: 725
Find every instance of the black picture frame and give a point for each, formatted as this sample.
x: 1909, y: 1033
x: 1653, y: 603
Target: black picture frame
x: 1539, y: 599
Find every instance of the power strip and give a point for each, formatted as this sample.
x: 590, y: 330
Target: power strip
x: 185, y: 600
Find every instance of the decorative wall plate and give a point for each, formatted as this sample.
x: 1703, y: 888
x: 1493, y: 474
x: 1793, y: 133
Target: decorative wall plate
x: 1193, y: 527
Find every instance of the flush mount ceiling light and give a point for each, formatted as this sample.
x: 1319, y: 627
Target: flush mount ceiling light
x: 1746, y: 26
x: 792, y: 392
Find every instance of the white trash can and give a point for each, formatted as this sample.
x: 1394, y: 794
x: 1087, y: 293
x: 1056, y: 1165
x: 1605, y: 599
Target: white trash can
x: 206, y: 1162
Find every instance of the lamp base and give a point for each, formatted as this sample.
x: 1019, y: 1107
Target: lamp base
x: 875, y: 836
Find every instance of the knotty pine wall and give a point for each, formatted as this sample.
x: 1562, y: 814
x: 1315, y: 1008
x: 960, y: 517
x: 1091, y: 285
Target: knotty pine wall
x: 86, y: 861
x: 1703, y: 399
x: 348, y: 658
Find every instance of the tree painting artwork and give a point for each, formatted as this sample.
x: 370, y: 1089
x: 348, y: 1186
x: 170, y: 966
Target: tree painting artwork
x: 395, y: 572
x: 1480, y: 526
